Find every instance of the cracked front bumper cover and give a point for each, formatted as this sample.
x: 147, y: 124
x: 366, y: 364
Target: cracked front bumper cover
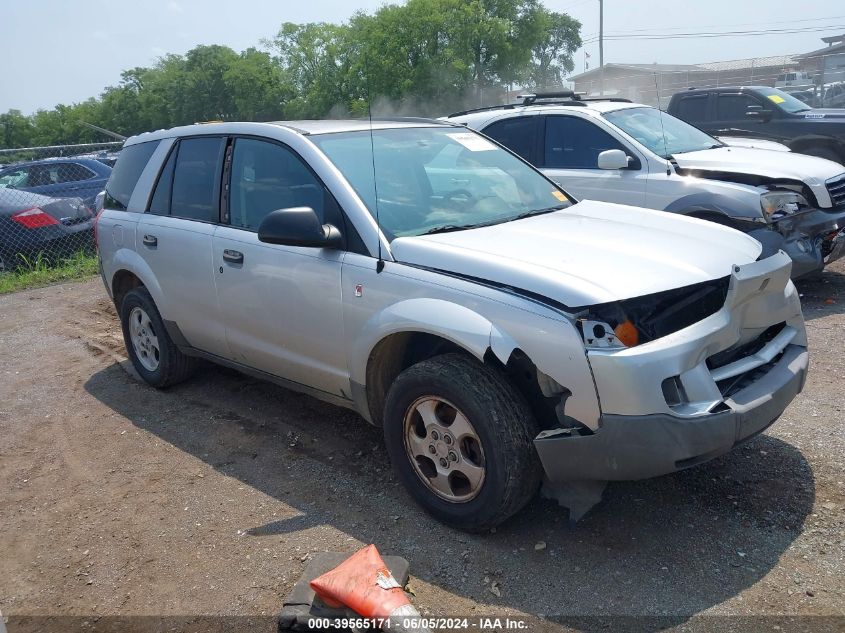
x: 642, y: 446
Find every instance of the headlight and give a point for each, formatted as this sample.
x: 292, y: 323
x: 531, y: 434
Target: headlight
x: 777, y: 204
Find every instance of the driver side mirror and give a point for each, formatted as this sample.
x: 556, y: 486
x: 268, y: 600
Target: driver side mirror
x: 298, y: 226
x: 758, y: 112
x: 613, y: 159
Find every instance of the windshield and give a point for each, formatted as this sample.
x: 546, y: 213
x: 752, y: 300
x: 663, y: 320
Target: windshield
x: 783, y: 100
x: 13, y: 179
x: 644, y: 125
x: 437, y: 179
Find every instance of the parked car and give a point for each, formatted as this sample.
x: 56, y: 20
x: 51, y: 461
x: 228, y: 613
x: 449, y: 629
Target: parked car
x: 32, y: 224
x: 762, y: 112
x: 58, y: 177
x: 618, y: 151
x: 794, y: 80
x: 498, y: 332
x: 833, y: 95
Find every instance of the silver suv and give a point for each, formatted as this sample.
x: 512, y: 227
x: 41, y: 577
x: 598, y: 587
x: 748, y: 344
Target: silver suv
x: 416, y: 272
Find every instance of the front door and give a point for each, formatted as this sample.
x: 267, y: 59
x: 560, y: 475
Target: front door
x: 281, y: 304
x: 570, y: 157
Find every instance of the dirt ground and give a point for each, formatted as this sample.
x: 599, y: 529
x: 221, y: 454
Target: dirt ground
x: 208, y: 500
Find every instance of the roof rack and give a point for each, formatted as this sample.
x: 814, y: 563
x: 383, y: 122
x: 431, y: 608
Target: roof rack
x: 563, y: 97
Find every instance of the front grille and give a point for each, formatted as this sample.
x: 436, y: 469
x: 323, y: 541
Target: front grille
x: 836, y: 189
x: 730, y: 386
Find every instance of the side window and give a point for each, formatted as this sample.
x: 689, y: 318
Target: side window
x: 71, y: 172
x: 196, y: 179
x: 517, y: 134
x: 160, y: 202
x: 573, y: 143
x: 126, y: 172
x: 15, y: 178
x: 730, y: 107
x: 265, y: 177
x: 693, y: 109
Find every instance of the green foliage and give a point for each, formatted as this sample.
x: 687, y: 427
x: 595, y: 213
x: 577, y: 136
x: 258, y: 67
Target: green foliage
x: 41, y: 271
x: 422, y: 57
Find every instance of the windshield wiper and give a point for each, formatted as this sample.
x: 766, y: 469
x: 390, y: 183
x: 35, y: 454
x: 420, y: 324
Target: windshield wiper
x: 448, y: 228
x: 528, y: 214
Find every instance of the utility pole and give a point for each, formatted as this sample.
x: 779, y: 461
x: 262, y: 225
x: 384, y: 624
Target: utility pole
x: 601, y: 48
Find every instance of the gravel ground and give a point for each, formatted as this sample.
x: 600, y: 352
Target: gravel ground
x: 208, y: 500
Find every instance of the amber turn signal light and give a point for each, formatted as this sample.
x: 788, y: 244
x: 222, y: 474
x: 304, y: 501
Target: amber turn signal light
x: 627, y: 333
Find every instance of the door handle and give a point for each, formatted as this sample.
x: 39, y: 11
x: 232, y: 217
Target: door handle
x: 233, y: 257
x: 150, y: 240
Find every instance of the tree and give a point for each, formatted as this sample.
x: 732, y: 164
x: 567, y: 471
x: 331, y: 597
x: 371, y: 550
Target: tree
x: 551, y: 55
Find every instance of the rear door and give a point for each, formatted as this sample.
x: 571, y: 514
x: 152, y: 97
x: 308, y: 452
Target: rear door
x: 571, y: 147
x: 281, y: 304
x: 174, y: 238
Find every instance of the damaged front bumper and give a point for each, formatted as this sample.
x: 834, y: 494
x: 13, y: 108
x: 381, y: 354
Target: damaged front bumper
x: 812, y: 239
x: 693, y: 394
x: 641, y: 446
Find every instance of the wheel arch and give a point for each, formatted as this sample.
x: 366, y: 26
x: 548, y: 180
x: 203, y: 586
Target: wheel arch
x: 407, y: 336
x: 131, y: 271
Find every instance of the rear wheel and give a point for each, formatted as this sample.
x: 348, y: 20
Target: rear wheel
x: 460, y: 438
x: 154, y: 355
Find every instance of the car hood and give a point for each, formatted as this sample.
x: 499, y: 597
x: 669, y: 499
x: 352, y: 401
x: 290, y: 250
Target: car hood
x: 590, y: 253
x: 811, y: 170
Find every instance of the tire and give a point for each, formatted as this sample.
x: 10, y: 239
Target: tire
x: 824, y: 152
x: 155, y: 357
x: 446, y: 387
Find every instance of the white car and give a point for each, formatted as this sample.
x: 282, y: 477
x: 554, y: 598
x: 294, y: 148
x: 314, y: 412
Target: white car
x: 617, y: 151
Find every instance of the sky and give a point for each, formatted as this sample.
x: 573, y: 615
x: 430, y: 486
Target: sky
x: 64, y: 51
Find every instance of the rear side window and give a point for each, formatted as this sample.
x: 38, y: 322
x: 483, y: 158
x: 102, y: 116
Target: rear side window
x: 160, y: 202
x: 692, y: 109
x: 126, y: 173
x: 196, y: 179
x: 71, y: 172
x: 573, y: 143
x: 517, y: 134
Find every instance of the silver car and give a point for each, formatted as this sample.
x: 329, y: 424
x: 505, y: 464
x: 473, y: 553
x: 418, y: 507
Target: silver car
x: 502, y: 334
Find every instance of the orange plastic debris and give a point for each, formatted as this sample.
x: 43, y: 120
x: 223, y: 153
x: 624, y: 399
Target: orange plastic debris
x: 364, y: 584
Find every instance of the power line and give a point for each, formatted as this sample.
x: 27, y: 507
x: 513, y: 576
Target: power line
x: 706, y: 34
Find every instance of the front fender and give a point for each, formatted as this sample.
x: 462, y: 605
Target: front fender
x: 733, y: 208
x: 447, y: 320
x: 554, y: 346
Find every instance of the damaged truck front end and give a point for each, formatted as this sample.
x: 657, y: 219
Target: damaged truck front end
x: 683, y: 376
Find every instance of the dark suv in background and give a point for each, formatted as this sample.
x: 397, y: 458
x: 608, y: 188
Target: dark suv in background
x: 763, y: 112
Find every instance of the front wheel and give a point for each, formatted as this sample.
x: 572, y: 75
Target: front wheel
x: 824, y: 152
x: 460, y: 438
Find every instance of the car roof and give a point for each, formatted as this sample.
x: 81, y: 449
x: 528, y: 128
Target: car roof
x: 305, y: 127
x: 592, y: 108
x: 56, y: 159
x: 722, y: 89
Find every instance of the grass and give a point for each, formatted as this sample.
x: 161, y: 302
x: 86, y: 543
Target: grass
x: 41, y: 271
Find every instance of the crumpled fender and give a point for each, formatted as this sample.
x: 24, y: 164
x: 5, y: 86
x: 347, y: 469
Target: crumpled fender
x: 553, y: 346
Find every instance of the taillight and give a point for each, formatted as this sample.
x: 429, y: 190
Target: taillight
x: 34, y: 218
x: 96, y: 220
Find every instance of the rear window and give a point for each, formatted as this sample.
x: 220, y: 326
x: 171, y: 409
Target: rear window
x: 126, y: 173
x: 517, y: 134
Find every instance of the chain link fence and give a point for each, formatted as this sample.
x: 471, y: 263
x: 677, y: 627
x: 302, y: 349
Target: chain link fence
x: 47, y: 202
x: 816, y: 79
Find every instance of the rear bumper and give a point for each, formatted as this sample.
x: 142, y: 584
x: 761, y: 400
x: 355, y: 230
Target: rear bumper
x: 641, y: 446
